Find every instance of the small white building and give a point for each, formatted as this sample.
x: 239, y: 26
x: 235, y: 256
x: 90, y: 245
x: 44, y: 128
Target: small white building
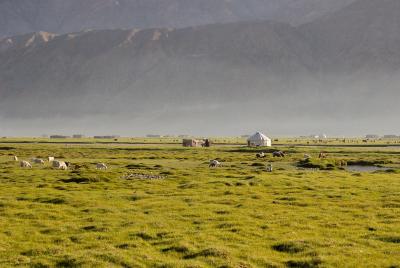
x: 259, y: 139
x: 320, y: 136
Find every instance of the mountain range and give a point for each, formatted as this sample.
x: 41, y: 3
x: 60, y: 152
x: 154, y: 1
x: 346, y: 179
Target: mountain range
x: 338, y: 72
x: 60, y: 16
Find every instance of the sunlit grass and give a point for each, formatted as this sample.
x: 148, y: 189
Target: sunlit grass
x: 234, y: 216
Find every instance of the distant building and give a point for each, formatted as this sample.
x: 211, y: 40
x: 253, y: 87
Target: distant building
x: 259, y: 139
x: 59, y: 137
x: 192, y: 143
x: 106, y: 137
x: 78, y: 136
x: 153, y: 136
x: 372, y: 136
x: 322, y: 136
x: 390, y: 137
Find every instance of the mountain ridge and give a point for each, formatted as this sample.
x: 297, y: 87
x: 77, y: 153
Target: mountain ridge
x: 59, y: 16
x: 242, y: 70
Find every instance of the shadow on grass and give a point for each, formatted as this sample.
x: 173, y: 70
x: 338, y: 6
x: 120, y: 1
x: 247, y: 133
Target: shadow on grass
x: 390, y: 239
x: 68, y: 262
x: 290, y: 247
x: 47, y: 200
x: 304, y: 264
x: 82, y: 180
x: 209, y: 252
x: 178, y: 249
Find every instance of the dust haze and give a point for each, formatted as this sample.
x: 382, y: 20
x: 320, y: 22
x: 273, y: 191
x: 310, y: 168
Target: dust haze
x: 334, y: 72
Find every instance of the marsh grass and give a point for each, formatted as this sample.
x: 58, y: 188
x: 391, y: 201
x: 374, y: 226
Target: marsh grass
x: 234, y: 216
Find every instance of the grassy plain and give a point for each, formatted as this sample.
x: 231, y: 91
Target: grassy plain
x: 237, y: 215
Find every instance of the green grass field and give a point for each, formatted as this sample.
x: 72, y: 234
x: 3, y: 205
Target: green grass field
x: 237, y: 215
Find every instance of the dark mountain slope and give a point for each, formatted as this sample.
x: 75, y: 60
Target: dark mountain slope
x: 203, y: 63
x: 342, y: 70
x: 60, y: 16
x: 362, y: 37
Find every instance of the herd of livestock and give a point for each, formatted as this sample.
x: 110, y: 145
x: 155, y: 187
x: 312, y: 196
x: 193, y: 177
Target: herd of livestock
x: 101, y: 166
x: 216, y: 163
x: 54, y: 163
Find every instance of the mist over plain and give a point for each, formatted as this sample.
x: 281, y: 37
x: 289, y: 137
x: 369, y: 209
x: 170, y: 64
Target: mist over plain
x: 335, y: 73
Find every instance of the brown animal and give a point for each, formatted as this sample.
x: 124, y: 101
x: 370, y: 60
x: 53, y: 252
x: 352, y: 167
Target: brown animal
x: 278, y: 154
x: 322, y: 155
x: 101, y: 166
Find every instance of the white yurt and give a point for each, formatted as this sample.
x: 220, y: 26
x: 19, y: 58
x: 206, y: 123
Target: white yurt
x: 259, y: 139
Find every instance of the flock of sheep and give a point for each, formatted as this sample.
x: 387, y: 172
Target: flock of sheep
x: 282, y: 154
x: 216, y: 163
x: 65, y: 165
x: 274, y: 154
x: 55, y: 163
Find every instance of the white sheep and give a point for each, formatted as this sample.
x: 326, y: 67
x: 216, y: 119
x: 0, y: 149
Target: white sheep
x: 214, y: 163
x: 25, y: 164
x: 101, y: 166
x: 60, y: 165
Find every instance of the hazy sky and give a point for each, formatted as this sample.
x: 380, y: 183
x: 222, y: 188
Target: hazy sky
x: 338, y: 74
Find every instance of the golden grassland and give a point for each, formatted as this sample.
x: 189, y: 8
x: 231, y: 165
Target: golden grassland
x: 237, y: 215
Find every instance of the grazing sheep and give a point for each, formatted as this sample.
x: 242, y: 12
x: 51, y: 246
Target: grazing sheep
x: 60, y: 165
x: 269, y: 168
x: 278, y: 154
x: 56, y: 164
x: 214, y: 163
x: 101, y: 166
x: 261, y: 155
x: 322, y: 155
x: 37, y: 161
x: 26, y: 164
x: 51, y: 158
x: 15, y: 158
x: 63, y: 166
